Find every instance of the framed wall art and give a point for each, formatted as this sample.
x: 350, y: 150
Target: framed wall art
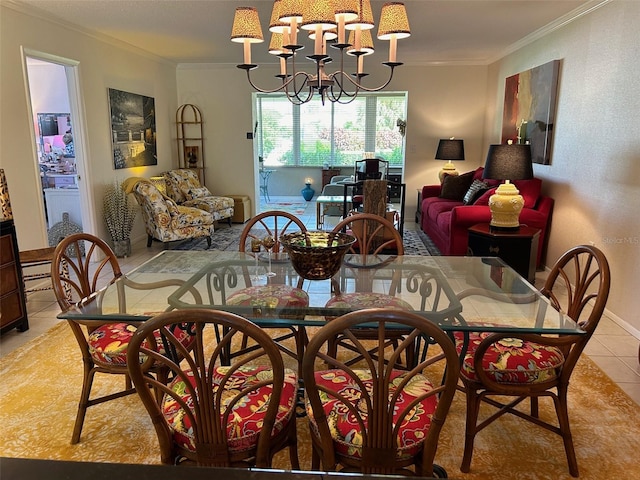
x: 133, y: 129
x: 530, y: 109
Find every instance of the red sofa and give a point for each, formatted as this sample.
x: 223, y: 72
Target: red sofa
x: 446, y: 220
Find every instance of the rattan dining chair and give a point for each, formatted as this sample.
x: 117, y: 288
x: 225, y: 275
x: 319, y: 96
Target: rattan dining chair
x: 278, y: 288
x: 530, y: 366
x: 210, y: 414
x: 373, y: 418
x: 376, y: 237
x: 77, y: 276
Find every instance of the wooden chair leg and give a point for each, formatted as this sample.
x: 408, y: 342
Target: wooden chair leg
x: 293, y: 448
x: 83, y: 404
x: 534, y: 407
x: 315, y: 459
x: 149, y: 240
x: 473, y: 408
x: 565, y: 431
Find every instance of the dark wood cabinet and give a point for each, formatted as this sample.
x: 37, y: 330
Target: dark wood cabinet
x: 327, y: 173
x: 13, y: 308
x: 517, y: 248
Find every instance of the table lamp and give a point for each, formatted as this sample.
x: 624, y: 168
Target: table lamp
x: 449, y: 149
x: 507, y: 162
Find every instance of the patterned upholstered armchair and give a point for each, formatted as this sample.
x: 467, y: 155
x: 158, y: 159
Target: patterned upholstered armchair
x: 165, y: 220
x: 184, y: 188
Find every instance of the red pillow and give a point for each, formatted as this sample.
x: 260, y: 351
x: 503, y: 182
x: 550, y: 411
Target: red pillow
x: 477, y: 173
x: 484, y: 198
x: 529, y: 189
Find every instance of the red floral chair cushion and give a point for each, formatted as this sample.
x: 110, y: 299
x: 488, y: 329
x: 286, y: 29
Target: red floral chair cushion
x: 108, y: 343
x: 345, y: 430
x: 511, y: 360
x: 368, y: 300
x: 245, y: 421
x: 272, y: 296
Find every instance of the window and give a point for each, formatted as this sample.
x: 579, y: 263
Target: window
x: 314, y: 135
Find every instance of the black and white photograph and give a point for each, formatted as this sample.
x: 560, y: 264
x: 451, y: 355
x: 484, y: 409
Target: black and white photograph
x: 133, y: 129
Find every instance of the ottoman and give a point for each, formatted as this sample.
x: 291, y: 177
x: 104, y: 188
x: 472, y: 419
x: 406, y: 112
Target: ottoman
x: 241, y: 208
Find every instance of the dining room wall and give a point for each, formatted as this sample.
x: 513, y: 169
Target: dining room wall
x: 102, y: 63
x: 594, y: 175
x: 443, y: 101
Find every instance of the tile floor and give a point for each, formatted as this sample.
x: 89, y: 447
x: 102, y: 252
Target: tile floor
x: 612, y: 348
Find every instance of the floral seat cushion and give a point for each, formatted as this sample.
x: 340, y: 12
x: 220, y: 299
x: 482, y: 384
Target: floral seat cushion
x: 511, y: 360
x: 272, y: 296
x: 245, y: 421
x: 108, y: 343
x: 368, y: 300
x: 345, y: 430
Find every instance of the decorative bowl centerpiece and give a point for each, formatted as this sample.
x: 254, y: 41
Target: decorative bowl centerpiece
x: 316, y: 255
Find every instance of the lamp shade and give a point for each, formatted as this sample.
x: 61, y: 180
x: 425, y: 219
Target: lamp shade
x: 319, y: 13
x: 347, y: 9
x: 450, y: 149
x: 365, y: 18
x: 275, y: 24
x: 275, y: 45
x: 366, y: 43
x: 290, y: 10
x: 246, y: 26
x: 509, y: 162
x: 393, y: 21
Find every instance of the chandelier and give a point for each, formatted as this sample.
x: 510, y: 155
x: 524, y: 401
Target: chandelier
x: 325, y: 20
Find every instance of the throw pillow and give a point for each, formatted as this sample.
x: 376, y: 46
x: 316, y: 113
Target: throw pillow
x: 477, y: 188
x: 530, y: 191
x: 197, y: 193
x: 455, y: 187
x: 484, y: 198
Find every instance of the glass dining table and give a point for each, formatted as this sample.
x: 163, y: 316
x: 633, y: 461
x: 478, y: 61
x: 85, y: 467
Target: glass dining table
x: 436, y: 288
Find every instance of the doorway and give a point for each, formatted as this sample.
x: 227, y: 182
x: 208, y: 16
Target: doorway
x: 58, y: 145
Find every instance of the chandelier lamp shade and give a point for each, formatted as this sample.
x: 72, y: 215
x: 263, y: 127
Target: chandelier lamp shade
x: 507, y: 162
x: 325, y: 21
x: 449, y: 149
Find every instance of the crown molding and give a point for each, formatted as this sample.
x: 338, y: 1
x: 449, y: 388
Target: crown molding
x: 46, y: 16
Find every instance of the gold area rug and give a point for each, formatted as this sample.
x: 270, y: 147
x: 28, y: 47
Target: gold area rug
x: 42, y: 380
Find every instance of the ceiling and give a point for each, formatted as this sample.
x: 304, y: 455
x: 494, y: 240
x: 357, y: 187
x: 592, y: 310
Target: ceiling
x: 198, y: 31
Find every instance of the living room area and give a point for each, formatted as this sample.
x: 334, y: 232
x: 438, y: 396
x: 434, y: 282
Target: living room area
x: 592, y: 177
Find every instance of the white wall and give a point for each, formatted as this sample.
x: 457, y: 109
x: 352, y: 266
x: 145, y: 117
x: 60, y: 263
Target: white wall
x: 101, y: 65
x: 594, y: 175
x: 443, y: 101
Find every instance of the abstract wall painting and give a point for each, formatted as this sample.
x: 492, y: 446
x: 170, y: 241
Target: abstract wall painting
x: 530, y: 109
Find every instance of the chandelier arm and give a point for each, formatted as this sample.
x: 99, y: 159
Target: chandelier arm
x: 369, y: 89
x: 331, y: 95
x: 294, y: 96
x: 285, y: 84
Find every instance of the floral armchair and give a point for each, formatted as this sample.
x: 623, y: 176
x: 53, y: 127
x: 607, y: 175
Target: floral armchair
x: 165, y: 220
x: 184, y: 188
